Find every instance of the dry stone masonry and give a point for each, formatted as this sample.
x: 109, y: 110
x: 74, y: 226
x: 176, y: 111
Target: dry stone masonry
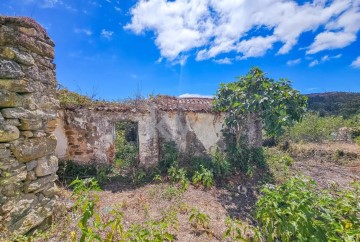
x: 28, y: 111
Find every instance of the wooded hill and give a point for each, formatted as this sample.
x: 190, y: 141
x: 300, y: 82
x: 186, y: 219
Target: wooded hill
x: 344, y: 104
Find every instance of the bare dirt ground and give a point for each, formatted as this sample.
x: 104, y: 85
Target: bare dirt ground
x: 330, y: 165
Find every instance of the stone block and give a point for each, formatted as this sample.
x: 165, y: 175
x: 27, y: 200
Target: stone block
x: 8, y: 163
x: 46, y: 166
x: 12, y: 121
x: 17, y: 85
x: 18, y: 206
x: 8, y: 133
x: 10, y: 69
x: 4, y: 153
x: 30, y: 124
x: 51, y: 191
x: 9, y: 99
x: 39, y: 184
x: 44, y: 74
x: 31, y: 165
x: 33, y: 148
x: 17, y: 55
x: 27, y: 134
x: 33, y: 219
x: 17, y: 113
x: 13, y: 179
x: 11, y: 38
x: 12, y: 190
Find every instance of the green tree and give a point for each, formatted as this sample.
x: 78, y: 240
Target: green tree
x: 255, y: 102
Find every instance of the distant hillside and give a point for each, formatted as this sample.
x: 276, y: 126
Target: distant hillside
x: 345, y: 104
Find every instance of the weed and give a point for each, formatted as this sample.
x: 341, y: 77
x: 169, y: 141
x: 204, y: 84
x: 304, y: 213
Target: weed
x: 198, y: 219
x: 204, y: 177
x: 296, y: 211
x: 169, y: 156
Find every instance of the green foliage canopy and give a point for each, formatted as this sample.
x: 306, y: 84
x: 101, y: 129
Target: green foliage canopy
x: 277, y: 104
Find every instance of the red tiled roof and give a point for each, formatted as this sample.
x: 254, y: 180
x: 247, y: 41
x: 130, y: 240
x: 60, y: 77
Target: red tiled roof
x: 195, y: 104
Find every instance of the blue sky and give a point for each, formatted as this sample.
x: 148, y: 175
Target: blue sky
x: 114, y: 49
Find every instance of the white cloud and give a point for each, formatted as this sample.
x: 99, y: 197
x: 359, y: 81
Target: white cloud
x: 356, y: 63
x: 83, y: 31
x: 117, y: 9
x: 50, y: 3
x: 323, y: 59
x: 106, y: 33
x: 293, y: 62
x: 225, y: 60
x: 215, y: 27
x: 331, y: 40
x: 339, y: 32
x: 189, y: 95
x: 314, y: 63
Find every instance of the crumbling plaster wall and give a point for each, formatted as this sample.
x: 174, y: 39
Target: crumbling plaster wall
x: 28, y: 111
x: 91, y: 133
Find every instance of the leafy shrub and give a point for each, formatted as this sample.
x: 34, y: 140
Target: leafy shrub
x: 93, y: 227
x: 243, y: 157
x: 204, y: 177
x: 314, y: 128
x: 178, y: 175
x: 296, y: 211
x: 126, y: 151
x: 278, y: 163
x: 70, y: 170
x: 169, y: 156
x: 220, y: 166
x: 199, y: 219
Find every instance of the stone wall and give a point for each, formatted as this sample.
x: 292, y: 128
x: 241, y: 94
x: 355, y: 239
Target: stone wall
x: 90, y: 132
x: 28, y: 110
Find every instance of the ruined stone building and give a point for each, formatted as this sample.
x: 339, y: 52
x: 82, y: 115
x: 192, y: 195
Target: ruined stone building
x: 87, y: 134
x: 35, y: 131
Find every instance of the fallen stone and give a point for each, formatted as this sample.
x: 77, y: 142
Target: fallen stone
x: 46, y: 166
x: 8, y: 133
x: 33, y: 148
x: 10, y: 69
x: 1, y: 118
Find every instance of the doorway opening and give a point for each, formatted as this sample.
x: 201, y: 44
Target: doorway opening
x: 126, y: 146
